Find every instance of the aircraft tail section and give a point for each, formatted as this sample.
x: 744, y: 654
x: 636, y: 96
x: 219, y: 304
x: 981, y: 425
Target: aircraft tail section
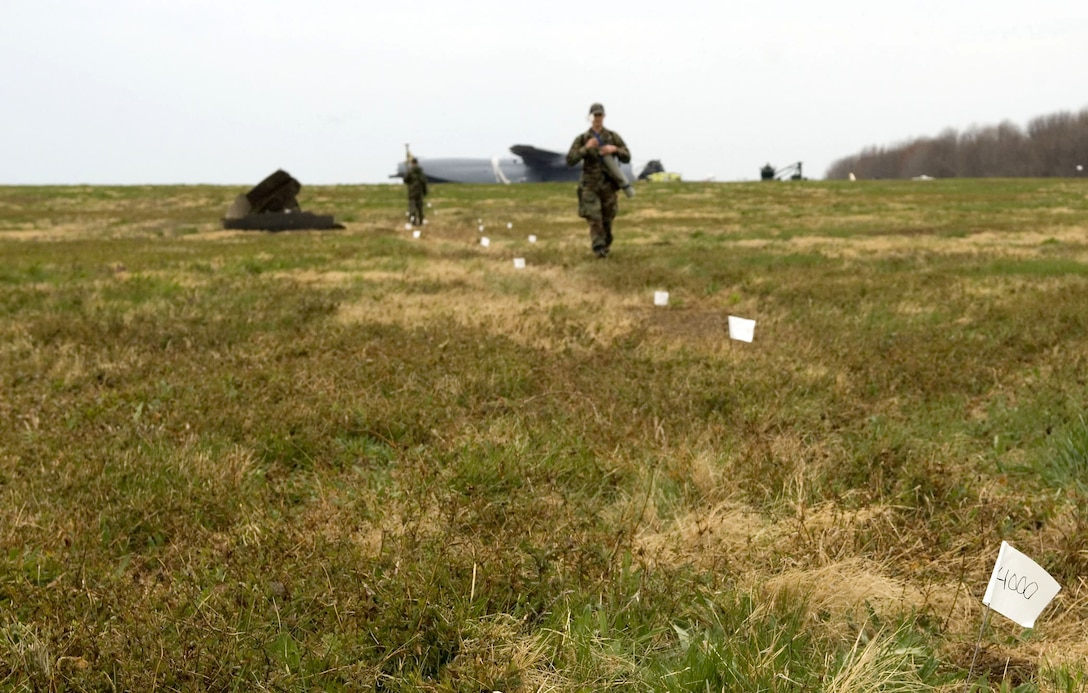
x: 538, y: 157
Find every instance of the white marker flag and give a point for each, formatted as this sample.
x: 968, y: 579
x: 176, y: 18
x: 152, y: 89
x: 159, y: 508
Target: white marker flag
x: 485, y: 241
x: 661, y: 298
x: 519, y: 263
x: 1019, y: 589
x: 741, y: 329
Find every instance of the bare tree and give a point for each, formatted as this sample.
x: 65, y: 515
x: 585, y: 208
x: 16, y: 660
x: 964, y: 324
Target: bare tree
x: 1052, y: 145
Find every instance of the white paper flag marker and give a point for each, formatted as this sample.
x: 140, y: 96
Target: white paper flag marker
x: 1019, y: 589
x: 481, y: 228
x: 485, y: 241
x: 532, y: 239
x: 509, y: 225
x: 408, y: 226
x: 415, y: 234
x: 741, y: 329
x: 519, y: 263
x: 661, y: 298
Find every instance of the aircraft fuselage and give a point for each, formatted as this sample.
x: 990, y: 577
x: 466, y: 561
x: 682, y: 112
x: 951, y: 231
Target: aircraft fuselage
x: 547, y: 167
x: 495, y: 170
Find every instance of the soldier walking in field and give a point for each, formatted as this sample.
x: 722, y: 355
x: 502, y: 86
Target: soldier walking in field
x: 598, y: 148
x: 416, y: 181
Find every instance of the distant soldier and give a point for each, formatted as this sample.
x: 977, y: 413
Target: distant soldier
x: 601, y: 178
x: 416, y: 181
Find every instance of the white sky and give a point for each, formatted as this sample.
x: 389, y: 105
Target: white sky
x: 227, y: 91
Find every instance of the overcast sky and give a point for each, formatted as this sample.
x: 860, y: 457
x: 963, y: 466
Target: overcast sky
x: 227, y: 91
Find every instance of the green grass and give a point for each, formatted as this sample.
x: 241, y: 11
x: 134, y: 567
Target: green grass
x: 354, y: 460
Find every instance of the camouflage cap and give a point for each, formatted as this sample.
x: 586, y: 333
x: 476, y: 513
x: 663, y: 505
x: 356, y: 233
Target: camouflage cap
x: 596, y: 108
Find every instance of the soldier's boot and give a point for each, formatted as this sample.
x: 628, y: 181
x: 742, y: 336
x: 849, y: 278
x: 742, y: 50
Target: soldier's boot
x: 597, y: 238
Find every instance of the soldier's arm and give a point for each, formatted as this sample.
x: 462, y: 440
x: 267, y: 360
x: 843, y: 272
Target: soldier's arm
x: 622, y: 152
x: 577, y: 151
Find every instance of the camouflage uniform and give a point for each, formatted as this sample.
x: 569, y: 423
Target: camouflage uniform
x: 416, y: 181
x: 597, y: 201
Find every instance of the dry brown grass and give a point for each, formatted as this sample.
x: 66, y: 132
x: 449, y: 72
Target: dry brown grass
x: 416, y: 456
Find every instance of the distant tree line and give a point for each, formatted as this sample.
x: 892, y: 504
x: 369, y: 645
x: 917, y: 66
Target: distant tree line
x: 1051, y: 145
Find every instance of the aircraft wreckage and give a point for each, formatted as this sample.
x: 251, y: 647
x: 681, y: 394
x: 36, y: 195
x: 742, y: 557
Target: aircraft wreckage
x: 273, y: 206
x: 528, y: 165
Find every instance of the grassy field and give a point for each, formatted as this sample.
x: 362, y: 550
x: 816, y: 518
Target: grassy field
x: 354, y: 460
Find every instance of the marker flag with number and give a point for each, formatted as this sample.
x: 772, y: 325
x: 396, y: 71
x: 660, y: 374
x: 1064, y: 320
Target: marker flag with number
x: 1019, y: 589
